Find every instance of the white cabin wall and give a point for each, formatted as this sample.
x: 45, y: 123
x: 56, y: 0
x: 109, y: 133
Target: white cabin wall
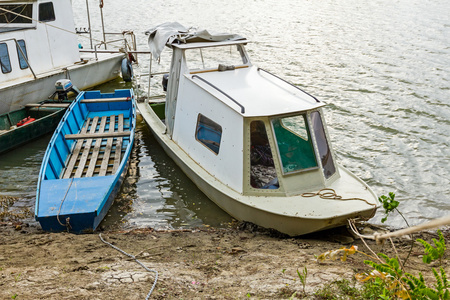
x: 227, y: 166
x: 63, y: 44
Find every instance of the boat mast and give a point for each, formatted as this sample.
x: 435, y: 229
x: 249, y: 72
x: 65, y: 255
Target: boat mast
x: 103, y: 24
x: 89, y: 22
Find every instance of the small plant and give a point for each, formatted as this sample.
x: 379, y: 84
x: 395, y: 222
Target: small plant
x: 14, y: 296
x: 302, y: 277
x: 389, y: 204
x: 434, y: 253
x: 388, y: 279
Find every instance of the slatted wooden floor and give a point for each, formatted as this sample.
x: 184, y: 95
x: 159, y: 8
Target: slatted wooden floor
x: 97, y: 156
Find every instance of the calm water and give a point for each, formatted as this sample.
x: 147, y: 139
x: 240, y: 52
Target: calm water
x: 382, y: 67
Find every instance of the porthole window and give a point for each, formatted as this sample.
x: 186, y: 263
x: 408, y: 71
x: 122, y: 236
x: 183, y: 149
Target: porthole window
x: 46, y: 12
x: 23, y: 57
x: 4, y: 58
x: 209, y: 133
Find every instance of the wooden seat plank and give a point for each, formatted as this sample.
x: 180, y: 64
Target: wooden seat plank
x: 86, y: 150
x: 95, y: 152
x: 109, y: 142
x: 73, y: 159
x: 118, y: 154
x: 101, y: 100
x: 56, y: 105
x: 96, y: 135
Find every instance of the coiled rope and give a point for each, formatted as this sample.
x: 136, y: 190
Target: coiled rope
x: 328, y: 193
x: 135, y: 259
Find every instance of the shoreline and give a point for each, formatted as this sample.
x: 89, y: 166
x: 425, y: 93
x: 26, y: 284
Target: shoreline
x: 192, y: 264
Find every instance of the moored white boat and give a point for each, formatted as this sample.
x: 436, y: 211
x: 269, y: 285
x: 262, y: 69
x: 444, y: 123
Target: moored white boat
x: 39, y: 45
x: 255, y: 144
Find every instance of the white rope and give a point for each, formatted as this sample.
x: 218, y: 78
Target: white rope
x: 134, y: 257
x: 380, y: 238
x: 60, y: 206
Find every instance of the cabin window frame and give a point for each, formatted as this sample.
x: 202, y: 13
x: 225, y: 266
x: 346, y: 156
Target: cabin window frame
x: 5, y: 55
x: 46, y: 12
x: 263, y: 172
x: 323, y: 141
x: 310, y: 143
x: 208, y: 123
x: 18, y: 21
x: 194, y: 60
x: 22, y: 60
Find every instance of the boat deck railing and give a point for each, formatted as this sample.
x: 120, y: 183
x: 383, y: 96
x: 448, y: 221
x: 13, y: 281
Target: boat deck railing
x: 260, y: 69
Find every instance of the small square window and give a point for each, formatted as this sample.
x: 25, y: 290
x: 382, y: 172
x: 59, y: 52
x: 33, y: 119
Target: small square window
x: 208, y: 133
x: 22, y: 57
x: 46, y: 12
x: 4, y: 58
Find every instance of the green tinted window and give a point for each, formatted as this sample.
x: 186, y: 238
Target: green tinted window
x: 294, y: 143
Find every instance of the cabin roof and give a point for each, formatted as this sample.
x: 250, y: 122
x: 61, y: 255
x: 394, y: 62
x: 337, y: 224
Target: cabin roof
x: 259, y: 92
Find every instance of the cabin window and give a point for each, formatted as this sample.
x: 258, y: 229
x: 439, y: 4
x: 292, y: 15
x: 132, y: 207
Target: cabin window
x: 46, y: 12
x: 4, y: 58
x: 22, y: 58
x: 212, y: 57
x: 16, y: 14
x: 262, y: 169
x: 294, y: 143
x: 209, y: 133
x: 322, y: 143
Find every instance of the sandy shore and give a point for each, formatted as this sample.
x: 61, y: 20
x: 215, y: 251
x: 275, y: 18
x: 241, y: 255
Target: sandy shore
x: 193, y: 264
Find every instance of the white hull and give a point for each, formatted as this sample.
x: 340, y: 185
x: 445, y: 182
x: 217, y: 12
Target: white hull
x: 16, y: 94
x: 259, y: 210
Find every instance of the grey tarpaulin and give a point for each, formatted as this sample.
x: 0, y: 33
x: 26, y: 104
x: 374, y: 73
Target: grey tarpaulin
x: 170, y: 32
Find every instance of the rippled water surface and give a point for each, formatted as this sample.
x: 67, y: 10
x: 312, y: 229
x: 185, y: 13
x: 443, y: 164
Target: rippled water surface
x: 381, y: 66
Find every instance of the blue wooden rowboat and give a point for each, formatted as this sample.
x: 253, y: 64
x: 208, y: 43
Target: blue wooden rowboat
x: 86, y: 161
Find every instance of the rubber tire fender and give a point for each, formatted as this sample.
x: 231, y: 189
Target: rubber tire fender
x: 127, y: 70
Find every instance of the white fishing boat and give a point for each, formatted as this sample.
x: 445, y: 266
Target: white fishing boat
x: 39, y: 45
x: 255, y: 144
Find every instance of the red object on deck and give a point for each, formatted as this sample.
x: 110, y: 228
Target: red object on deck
x: 25, y: 121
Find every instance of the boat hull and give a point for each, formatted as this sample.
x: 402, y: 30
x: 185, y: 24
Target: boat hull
x: 234, y: 203
x: 14, y: 95
x: 10, y: 139
x: 82, y: 172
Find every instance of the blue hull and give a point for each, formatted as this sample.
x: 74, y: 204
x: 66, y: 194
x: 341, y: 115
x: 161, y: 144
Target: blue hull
x: 86, y: 162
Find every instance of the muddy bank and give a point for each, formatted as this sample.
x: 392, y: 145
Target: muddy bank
x: 195, y: 264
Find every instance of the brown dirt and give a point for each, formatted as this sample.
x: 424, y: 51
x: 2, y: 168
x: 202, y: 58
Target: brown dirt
x: 197, y: 264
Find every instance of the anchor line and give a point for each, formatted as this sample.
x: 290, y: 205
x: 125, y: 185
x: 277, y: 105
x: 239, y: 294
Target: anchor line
x: 59, y: 210
x: 137, y: 261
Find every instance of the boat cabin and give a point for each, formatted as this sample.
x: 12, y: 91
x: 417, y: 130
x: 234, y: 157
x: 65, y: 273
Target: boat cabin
x: 251, y: 130
x: 27, y: 45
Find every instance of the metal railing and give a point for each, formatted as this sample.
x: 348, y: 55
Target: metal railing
x: 317, y: 100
